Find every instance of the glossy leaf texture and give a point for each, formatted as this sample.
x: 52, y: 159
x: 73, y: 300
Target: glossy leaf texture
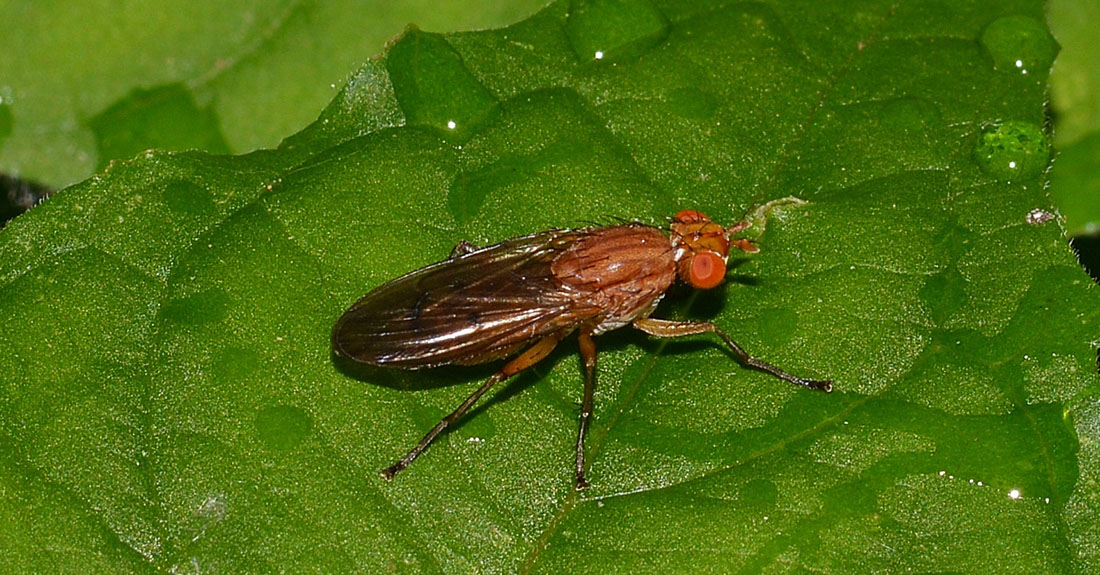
x: 170, y: 402
x: 218, y: 75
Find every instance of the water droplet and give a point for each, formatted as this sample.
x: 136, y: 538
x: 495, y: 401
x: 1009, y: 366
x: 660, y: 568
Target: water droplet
x: 614, y: 29
x: 1020, y: 44
x: 434, y: 87
x: 282, y: 427
x: 1012, y: 151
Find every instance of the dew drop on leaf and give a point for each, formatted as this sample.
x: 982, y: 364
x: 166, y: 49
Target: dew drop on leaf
x: 1012, y: 151
x: 614, y: 29
x: 434, y: 87
x: 1019, y: 44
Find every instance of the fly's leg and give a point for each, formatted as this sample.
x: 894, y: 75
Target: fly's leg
x: 588, y: 356
x: 666, y: 328
x: 462, y: 248
x: 528, y: 358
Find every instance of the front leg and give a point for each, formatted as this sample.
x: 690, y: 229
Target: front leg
x: 666, y: 328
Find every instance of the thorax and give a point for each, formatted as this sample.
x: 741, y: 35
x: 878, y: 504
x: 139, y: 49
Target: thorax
x: 623, y: 270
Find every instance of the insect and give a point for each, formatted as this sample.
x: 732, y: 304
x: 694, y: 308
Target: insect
x: 522, y: 296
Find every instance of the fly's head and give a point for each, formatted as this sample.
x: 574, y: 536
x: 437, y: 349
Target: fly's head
x: 701, y: 248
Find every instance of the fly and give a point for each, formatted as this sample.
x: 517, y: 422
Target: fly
x: 524, y: 295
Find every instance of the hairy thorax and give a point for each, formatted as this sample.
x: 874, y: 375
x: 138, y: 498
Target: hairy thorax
x: 622, y: 270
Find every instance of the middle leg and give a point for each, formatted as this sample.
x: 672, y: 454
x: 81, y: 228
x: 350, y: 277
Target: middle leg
x: 588, y: 356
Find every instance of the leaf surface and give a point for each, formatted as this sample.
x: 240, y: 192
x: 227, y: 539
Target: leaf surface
x: 172, y: 403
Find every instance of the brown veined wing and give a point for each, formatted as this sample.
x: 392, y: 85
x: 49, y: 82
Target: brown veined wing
x: 469, y: 309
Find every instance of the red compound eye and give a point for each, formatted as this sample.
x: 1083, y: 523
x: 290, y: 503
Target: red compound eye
x: 690, y: 217
x: 707, y: 270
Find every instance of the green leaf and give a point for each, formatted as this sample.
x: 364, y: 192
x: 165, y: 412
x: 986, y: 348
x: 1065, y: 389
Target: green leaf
x: 1075, y: 101
x: 1075, y: 184
x: 172, y: 404
x: 254, y: 71
x: 1075, y: 79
